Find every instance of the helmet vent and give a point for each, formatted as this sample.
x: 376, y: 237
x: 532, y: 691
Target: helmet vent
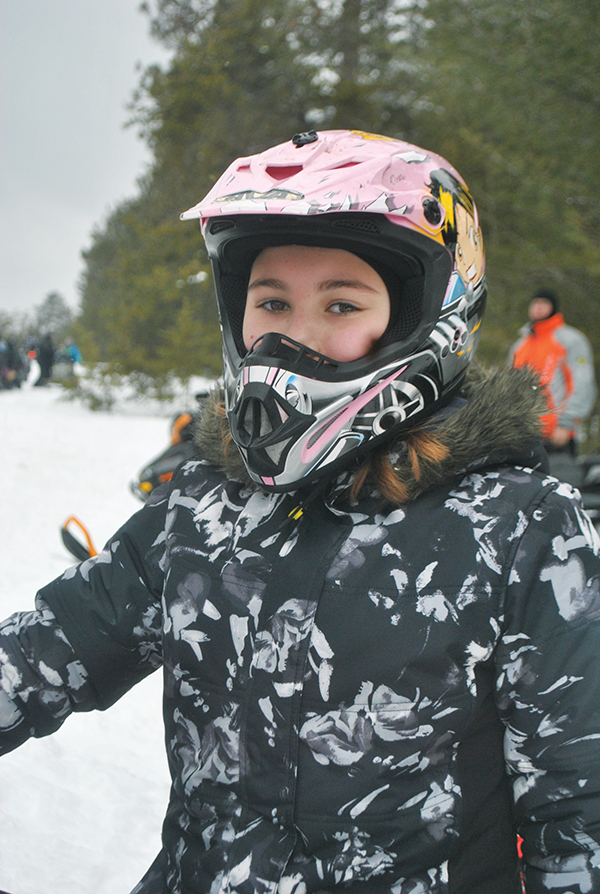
x: 365, y: 226
x: 283, y: 172
x: 254, y: 422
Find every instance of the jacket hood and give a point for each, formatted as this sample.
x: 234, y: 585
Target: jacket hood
x: 495, y: 420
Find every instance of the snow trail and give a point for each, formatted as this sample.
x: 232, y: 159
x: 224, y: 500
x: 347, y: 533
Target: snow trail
x: 80, y: 811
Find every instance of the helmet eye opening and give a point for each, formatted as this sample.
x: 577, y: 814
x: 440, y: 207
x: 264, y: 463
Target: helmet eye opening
x: 372, y: 237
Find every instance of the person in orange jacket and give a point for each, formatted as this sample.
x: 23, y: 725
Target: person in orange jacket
x: 562, y: 357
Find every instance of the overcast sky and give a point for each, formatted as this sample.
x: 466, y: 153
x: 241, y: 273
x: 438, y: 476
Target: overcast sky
x: 68, y: 69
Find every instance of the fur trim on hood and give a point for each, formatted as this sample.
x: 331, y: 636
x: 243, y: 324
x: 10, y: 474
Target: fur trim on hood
x: 495, y: 420
x: 497, y: 423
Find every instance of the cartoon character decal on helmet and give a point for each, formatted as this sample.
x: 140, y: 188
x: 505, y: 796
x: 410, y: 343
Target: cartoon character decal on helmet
x: 461, y: 232
x: 296, y: 414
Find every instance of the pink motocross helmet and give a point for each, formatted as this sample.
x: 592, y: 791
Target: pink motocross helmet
x: 295, y: 414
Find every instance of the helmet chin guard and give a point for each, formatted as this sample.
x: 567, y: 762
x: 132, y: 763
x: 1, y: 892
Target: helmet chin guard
x: 295, y: 414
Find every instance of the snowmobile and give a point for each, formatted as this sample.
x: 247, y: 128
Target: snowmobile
x: 181, y: 448
x: 80, y: 546
x: 590, y: 487
x: 74, y: 534
x: 161, y: 468
x: 583, y: 472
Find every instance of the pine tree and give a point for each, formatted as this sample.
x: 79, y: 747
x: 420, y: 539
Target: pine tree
x: 516, y: 90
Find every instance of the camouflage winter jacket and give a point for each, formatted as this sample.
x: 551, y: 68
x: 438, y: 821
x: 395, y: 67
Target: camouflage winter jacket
x: 366, y: 699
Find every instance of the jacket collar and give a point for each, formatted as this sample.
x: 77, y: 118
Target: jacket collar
x: 547, y: 326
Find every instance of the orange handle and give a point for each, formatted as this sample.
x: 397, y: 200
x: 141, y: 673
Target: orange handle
x: 91, y: 548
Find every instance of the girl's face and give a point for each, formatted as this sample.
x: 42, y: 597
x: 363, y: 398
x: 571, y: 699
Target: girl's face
x: 325, y: 298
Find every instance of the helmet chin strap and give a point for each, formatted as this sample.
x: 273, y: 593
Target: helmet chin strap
x: 312, y: 493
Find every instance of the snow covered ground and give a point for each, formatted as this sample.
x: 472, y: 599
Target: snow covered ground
x: 80, y: 811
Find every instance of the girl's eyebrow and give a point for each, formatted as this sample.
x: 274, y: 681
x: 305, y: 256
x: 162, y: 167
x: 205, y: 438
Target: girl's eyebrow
x: 267, y: 283
x: 345, y: 284
x: 325, y: 286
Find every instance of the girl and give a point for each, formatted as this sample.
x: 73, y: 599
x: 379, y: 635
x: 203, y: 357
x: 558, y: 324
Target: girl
x: 377, y: 616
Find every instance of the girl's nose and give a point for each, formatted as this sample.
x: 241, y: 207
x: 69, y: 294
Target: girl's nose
x: 307, y: 332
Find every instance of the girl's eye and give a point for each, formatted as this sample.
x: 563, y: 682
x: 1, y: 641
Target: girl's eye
x: 342, y: 307
x: 273, y: 305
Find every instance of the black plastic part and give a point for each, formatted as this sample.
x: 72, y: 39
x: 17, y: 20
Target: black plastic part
x: 77, y: 549
x: 301, y: 139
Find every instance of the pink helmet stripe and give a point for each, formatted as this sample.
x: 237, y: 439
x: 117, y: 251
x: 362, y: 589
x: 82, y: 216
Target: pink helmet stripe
x: 330, y: 428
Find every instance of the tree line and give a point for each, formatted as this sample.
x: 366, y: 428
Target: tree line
x: 507, y: 90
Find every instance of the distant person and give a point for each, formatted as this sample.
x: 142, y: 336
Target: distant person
x: 5, y: 351
x: 562, y: 357
x: 72, y: 351
x: 10, y: 365
x: 45, y: 358
x: 67, y: 356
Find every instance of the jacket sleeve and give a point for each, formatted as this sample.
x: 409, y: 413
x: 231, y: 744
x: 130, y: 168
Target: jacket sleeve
x: 580, y: 363
x: 96, y: 632
x: 41, y: 679
x: 548, y: 691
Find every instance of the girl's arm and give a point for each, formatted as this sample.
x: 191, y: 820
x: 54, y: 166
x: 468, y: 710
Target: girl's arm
x: 96, y: 632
